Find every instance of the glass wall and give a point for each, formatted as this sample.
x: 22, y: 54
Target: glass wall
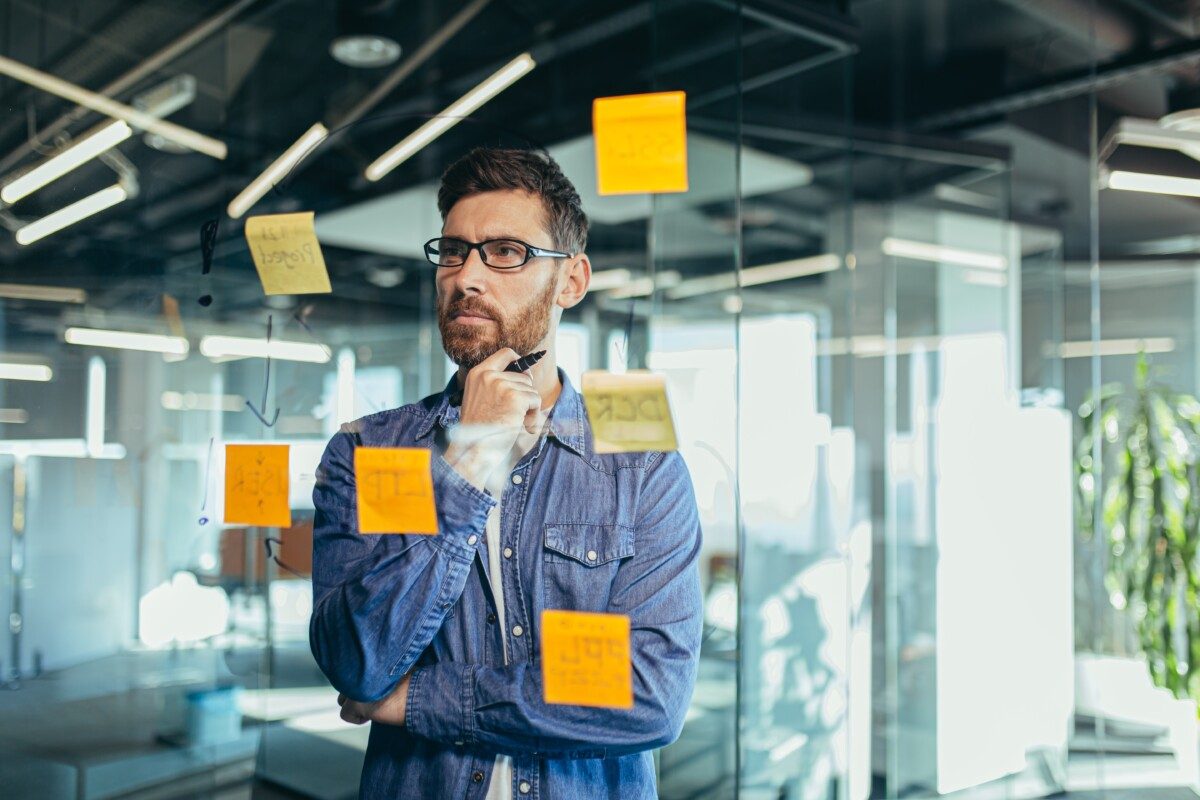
x: 883, y: 321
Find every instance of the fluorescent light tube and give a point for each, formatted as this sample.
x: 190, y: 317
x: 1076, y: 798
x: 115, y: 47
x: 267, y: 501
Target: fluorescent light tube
x: 754, y: 276
x: 925, y: 251
x: 54, y: 168
x: 25, y: 372
x: 609, y: 279
x: 127, y: 340
x: 192, y: 401
x: 240, y: 347
x: 1116, y: 347
x: 111, y: 108
x: 50, y: 294
x: 1156, y: 184
x: 278, y: 169
x: 80, y: 209
x: 506, y: 76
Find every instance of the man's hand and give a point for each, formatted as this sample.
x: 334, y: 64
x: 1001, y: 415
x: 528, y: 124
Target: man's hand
x: 495, y: 406
x: 389, y: 711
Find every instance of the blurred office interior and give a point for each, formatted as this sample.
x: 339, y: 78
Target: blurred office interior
x: 927, y: 315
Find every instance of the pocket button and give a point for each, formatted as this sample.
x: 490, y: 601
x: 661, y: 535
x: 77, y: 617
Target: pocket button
x: 591, y: 555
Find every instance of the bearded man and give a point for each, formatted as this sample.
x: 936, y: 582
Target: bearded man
x: 435, y: 640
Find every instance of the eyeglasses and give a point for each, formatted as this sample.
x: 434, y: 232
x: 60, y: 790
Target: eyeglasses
x: 447, y: 251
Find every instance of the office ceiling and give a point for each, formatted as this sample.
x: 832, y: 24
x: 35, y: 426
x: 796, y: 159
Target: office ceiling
x: 266, y: 75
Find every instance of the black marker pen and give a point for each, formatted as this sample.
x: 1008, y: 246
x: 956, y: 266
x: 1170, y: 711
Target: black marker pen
x: 525, y: 362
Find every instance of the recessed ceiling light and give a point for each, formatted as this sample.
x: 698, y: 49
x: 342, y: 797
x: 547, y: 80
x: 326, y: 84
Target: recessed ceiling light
x: 364, y: 50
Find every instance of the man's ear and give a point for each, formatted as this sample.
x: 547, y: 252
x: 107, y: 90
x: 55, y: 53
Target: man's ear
x: 578, y: 278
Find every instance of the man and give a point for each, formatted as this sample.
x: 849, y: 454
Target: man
x: 436, y: 639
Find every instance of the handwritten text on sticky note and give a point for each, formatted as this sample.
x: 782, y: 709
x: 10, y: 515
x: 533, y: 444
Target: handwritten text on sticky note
x: 286, y: 254
x: 585, y: 659
x: 256, y: 485
x: 641, y: 143
x: 629, y: 412
x: 395, y: 490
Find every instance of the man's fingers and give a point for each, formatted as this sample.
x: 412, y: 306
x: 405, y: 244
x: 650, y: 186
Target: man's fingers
x: 352, y: 713
x: 500, y: 359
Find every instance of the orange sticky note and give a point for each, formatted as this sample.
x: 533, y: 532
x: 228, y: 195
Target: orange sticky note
x: 641, y: 143
x: 256, y: 485
x: 585, y: 659
x: 395, y: 490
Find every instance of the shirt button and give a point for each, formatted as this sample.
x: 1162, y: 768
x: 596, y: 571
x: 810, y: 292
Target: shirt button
x: 591, y: 555
x: 472, y: 539
x: 491, y: 617
x: 508, y: 552
x: 518, y: 630
x: 477, y: 776
x: 517, y: 479
x: 523, y: 787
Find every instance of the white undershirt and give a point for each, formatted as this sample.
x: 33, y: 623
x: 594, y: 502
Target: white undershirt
x: 500, y: 787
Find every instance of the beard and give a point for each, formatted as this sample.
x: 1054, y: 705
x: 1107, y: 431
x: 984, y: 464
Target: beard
x: 468, y: 345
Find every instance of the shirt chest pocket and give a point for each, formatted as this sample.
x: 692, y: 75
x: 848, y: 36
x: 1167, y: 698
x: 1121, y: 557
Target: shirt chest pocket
x: 580, y: 564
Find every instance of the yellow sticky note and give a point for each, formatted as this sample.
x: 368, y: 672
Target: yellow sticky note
x: 395, y: 490
x: 629, y: 412
x: 585, y: 659
x: 641, y: 143
x: 256, y: 485
x: 286, y: 254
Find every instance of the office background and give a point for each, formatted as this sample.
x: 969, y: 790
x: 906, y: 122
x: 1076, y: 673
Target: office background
x: 950, y: 532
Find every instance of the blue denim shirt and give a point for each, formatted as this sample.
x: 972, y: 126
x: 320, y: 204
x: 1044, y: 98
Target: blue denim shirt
x: 388, y: 605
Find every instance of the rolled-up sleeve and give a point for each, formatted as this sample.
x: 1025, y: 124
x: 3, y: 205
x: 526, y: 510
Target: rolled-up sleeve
x: 379, y: 599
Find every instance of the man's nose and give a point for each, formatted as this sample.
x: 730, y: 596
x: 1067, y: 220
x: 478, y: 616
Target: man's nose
x: 472, y: 275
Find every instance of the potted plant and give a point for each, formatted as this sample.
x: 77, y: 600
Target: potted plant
x: 1139, y: 504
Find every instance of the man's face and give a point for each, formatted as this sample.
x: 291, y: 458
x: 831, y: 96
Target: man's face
x: 480, y: 309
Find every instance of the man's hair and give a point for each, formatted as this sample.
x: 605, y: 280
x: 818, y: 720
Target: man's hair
x: 489, y: 169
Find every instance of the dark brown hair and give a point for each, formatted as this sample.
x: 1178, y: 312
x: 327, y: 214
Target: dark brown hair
x: 489, y: 169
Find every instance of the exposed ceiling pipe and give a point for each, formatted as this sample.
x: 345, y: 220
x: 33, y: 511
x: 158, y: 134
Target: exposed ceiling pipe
x: 1072, y: 84
x: 154, y: 63
x: 1080, y: 20
x: 1181, y: 26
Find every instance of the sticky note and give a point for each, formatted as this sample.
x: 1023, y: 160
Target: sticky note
x: 395, y: 490
x: 286, y: 253
x: 641, y: 143
x: 629, y: 412
x: 585, y: 659
x: 256, y: 485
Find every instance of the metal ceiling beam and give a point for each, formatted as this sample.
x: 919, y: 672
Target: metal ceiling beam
x: 151, y: 65
x: 1071, y: 84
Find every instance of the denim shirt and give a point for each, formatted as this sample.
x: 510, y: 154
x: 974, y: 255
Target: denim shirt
x: 612, y: 533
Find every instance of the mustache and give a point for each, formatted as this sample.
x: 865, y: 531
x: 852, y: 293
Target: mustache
x: 472, y: 306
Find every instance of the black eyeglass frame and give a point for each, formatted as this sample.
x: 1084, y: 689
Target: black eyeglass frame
x: 530, y: 252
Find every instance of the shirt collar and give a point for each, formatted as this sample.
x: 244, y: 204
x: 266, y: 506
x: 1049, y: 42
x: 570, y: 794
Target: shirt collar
x: 567, y: 424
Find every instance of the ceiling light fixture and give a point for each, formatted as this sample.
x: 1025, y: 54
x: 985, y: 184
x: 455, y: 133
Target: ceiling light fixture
x: 49, y: 294
x: 55, y: 167
x: 506, y: 76
x: 127, y: 340
x: 1155, y: 184
x: 926, y: 251
x: 241, y: 347
x: 69, y: 215
x: 754, y: 276
x: 25, y: 372
x: 609, y: 279
x: 277, y: 171
x: 1113, y: 347
x: 111, y: 108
